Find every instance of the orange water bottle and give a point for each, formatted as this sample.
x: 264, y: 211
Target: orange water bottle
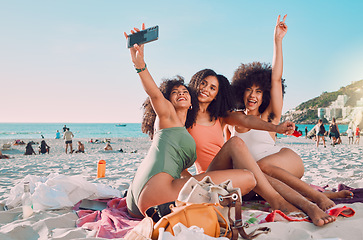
x: 101, y: 169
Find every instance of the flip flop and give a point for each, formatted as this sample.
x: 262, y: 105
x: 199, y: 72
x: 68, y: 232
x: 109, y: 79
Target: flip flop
x: 277, y: 215
x: 344, y: 211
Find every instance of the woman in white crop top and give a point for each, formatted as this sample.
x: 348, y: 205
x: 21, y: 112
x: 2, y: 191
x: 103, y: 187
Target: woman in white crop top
x: 259, y: 90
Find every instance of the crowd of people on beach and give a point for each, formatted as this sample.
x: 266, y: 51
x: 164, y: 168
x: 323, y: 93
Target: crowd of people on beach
x: 319, y: 133
x: 67, y: 136
x: 228, y: 131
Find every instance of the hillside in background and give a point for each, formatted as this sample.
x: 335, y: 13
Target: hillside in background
x: 307, y: 112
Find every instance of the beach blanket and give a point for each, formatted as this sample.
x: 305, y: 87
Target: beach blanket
x: 112, y: 222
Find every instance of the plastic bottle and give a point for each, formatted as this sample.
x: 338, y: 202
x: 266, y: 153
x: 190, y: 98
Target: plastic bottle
x: 26, y: 200
x: 101, y: 169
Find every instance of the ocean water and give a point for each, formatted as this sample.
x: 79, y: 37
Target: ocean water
x: 90, y: 130
x: 301, y: 127
x: 80, y: 130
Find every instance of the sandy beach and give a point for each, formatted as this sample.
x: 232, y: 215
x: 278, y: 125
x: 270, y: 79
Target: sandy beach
x: 323, y: 166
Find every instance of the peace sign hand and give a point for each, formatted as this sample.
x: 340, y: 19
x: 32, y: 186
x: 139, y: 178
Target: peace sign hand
x: 280, y: 28
x: 137, y: 52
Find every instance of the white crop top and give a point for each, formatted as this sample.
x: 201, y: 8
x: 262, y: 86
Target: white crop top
x: 260, y: 143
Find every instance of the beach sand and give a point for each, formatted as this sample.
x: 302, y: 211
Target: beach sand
x: 323, y: 166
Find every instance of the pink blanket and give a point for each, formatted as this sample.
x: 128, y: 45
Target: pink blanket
x: 112, y: 222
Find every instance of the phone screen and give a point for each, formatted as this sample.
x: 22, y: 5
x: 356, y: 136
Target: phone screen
x: 144, y: 36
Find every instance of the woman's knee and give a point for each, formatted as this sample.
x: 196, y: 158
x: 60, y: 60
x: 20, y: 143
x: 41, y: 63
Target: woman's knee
x: 266, y: 167
x: 247, y: 182
x: 236, y: 143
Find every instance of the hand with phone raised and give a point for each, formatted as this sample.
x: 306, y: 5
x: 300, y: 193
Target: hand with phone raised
x: 136, y: 51
x: 137, y: 57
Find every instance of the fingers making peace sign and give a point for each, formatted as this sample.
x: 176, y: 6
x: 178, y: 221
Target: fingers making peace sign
x: 280, y: 28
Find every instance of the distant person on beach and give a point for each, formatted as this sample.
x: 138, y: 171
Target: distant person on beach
x: 320, y: 132
x: 57, y: 135
x: 43, y: 148
x: 357, y: 135
x: 18, y: 142
x: 169, y: 108
x: 80, y: 147
x: 29, y: 149
x: 334, y: 133
x: 108, y: 147
x: 306, y: 132
x: 350, y: 135
x: 67, y: 136
x: 64, y: 128
x: 3, y: 156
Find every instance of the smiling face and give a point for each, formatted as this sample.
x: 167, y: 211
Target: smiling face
x: 252, y: 98
x: 208, y: 89
x: 180, y: 97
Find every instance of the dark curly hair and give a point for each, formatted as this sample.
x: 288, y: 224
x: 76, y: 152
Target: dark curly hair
x: 250, y: 74
x: 166, y: 87
x: 224, y: 101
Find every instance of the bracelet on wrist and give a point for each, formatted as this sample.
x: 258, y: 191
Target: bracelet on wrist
x: 139, y: 70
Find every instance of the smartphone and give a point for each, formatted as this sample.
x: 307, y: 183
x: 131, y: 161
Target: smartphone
x: 144, y: 36
x: 92, y: 205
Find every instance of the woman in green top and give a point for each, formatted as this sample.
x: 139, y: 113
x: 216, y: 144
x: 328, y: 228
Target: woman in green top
x: 160, y: 176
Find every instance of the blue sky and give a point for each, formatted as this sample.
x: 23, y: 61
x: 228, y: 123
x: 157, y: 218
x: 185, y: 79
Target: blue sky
x: 67, y: 61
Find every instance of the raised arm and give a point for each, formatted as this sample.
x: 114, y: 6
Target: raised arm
x: 276, y: 102
x: 157, y: 99
x: 254, y: 122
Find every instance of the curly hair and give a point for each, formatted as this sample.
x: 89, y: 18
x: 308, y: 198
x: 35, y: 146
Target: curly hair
x: 224, y: 101
x: 250, y: 74
x: 166, y: 87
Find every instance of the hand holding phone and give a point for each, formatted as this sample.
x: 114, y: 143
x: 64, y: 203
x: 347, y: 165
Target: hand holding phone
x: 143, y: 36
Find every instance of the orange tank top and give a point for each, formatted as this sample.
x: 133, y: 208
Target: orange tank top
x: 209, y: 140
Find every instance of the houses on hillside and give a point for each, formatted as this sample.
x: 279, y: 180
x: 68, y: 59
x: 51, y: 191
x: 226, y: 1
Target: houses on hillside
x: 337, y: 109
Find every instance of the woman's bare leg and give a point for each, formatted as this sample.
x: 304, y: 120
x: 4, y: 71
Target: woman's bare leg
x: 234, y: 154
x: 288, y: 167
x: 286, y: 159
x: 163, y: 188
x: 317, y: 216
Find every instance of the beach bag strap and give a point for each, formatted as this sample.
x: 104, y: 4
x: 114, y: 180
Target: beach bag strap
x: 159, y: 211
x: 231, y: 200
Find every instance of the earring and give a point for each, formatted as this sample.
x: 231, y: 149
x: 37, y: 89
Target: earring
x: 191, y: 107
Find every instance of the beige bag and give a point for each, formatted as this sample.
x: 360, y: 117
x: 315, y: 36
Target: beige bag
x: 206, y: 191
x: 224, y: 194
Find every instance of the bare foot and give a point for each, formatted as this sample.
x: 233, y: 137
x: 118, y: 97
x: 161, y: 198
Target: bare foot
x: 340, y: 194
x: 324, y: 202
x: 284, y: 206
x: 318, y: 216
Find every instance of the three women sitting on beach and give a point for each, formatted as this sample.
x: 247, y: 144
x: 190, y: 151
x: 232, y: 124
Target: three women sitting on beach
x: 170, y: 109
